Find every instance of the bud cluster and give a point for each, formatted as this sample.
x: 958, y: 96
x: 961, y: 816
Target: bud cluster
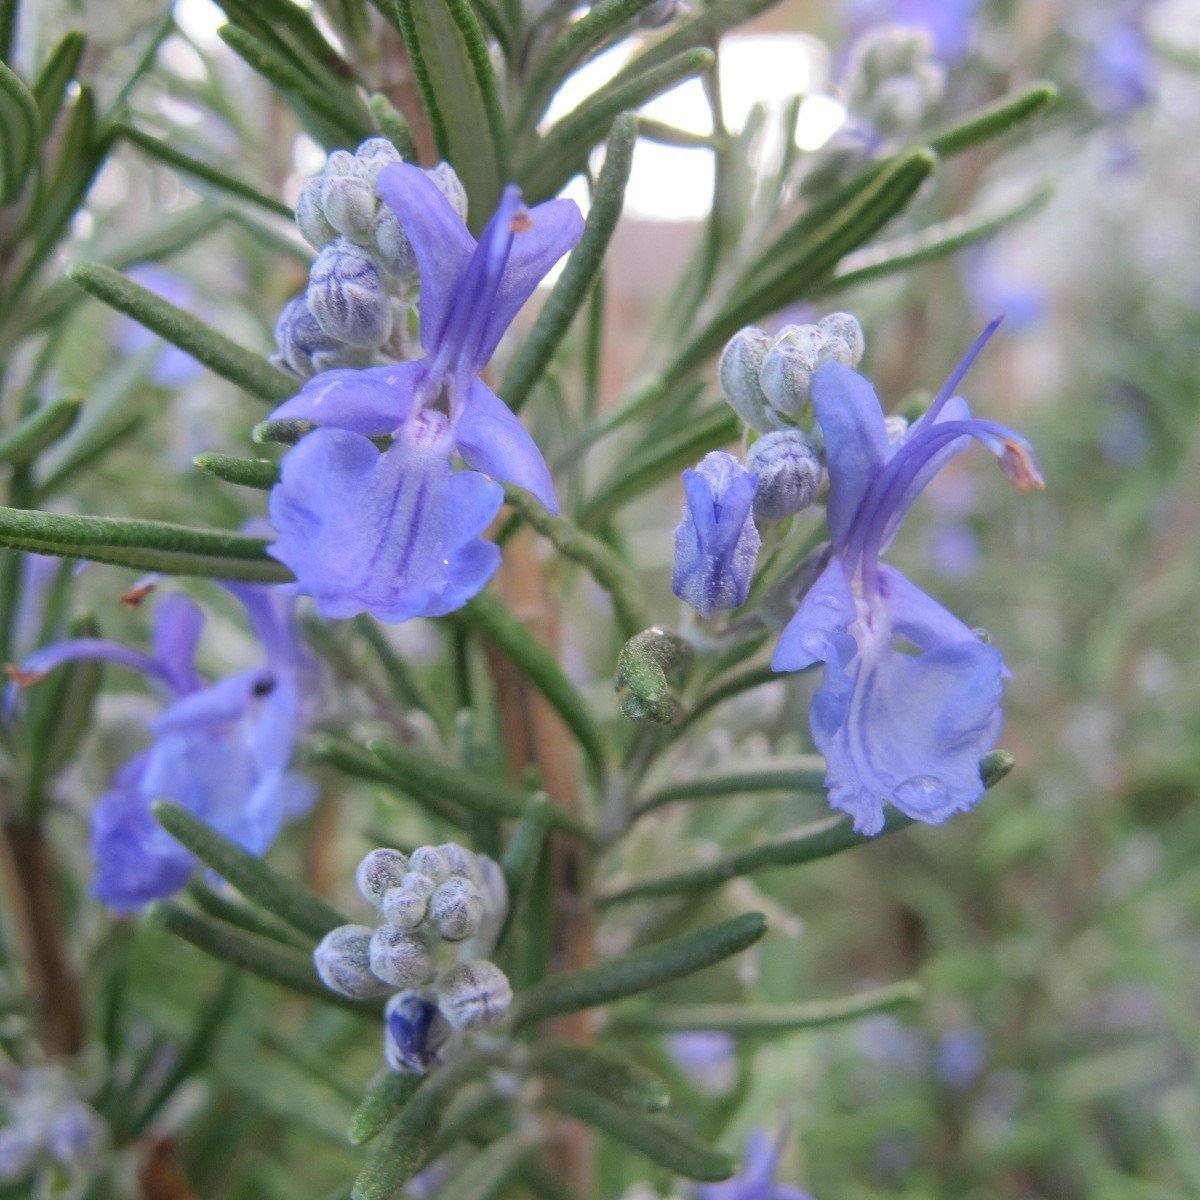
x: 355, y: 310
x: 45, y: 1124
x: 893, y: 80
x: 440, y: 910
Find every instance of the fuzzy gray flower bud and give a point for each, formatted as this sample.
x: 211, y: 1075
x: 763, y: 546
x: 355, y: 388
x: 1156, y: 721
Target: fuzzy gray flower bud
x: 310, y: 216
x: 399, y: 957
x: 405, y: 905
x: 349, y: 204
x: 446, y: 180
x: 380, y: 872
x: 372, y: 156
x: 474, y: 995
x: 347, y: 296
x: 461, y: 861
x: 741, y: 365
x: 414, y: 1033
x: 789, y: 474
x: 302, y: 343
x: 788, y: 366
x: 343, y: 961
x: 456, y: 909
x: 430, y: 862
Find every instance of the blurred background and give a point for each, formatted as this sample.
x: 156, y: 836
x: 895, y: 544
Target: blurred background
x: 1055, y: 929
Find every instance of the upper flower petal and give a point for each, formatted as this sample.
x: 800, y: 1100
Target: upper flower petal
x: 856, y: 443
x: 178, y: 623
x: 824, y: 615
x: 372, y: 402
x: 540, y: 238
x: 441, y: 242
x: 491, y: 439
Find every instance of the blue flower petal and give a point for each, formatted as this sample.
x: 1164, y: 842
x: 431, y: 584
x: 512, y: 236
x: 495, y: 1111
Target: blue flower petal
x: 825, y: 613
x: 371, y: 402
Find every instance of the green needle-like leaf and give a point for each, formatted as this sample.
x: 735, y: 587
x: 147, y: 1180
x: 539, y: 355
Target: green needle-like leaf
x: 229, y: 360
x: 764, y: 1020
x: 582, y: 266
x: 246, y: 472
x: 18, y: 133
x: 43, y: 427
x: 803, y: 773
x: 488, y: 616
x: 266, y: 959
x: 481, y: 793
x: 381, y: 1104
x: 661, y: 1140
x: 639, y: 971
x: 282, y: 898
x: 57, y: 72
x: 991, y: 122
x: 602, y: 1071
x: 143, y: 545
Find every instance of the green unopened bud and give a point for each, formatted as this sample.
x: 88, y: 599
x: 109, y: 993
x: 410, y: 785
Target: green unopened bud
x: 474, y: 995
x: 645, y: 667
x: 994, y: 766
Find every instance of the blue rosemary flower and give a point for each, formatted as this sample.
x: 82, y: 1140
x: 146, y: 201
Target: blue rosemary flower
x: 716, y: 543
x: 760, y: 1165
x: 220, y: 750
x: 396, y: 532
x: 895, y: 727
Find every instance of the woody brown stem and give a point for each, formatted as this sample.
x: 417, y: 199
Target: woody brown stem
x: 33, y: 902
x: 537, y: 738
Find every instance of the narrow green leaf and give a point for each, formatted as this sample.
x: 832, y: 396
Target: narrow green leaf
x: 252, y: 920
x: 937, y: 241
x: 565, y: 149
x: 479, y: 793
x: 488, y: 616
x: 400, y: 14
x: 734, y: 685
x: 525, y: 847
x: 266, y: 959
x: 991, y: 122
x: 43, y: 427
x: 193, y: 1056
x: 381, y: 1104
x: 292, y: 904
x: 356, y: 762
x: 334, y: 115
x: 664, y: 457
x: 229, y: 360
x: 144, y: 545
x: 764, y: 1020
x: 580, y: 39
x: 801, y: 773
x: 187, y: 165
x: 581, y: 267
x: 661, y: 1140
x: 831, y: 835
x: 470, y: 126
x: 610, y: 571
x: 405, y: 1144
x: 391, y: 123
x: 8, y: 27
x: 405, y: 682
x: 258, y: 473
x: 51, y: 83
x: 602, y: 1071
x: 487, y: 1174
x: 703, y: 28
x: 18, y: 133
x: 286, y: 432
x: 640, y: 970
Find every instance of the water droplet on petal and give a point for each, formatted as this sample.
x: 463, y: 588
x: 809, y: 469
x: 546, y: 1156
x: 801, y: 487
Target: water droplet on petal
x: 922, y: 792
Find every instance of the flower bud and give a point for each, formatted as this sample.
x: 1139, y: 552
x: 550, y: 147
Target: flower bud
x: 310, y: 216
x: 343, y: 961
x: 414, y: 1032
x: 347, y: 296
x: 492, y: 887
x: 446, y: 180
x: 844, y: 327
x: 461, y: 861
x: 372, y: 156
x: 788, y: 366
x: 474, y: 995
x: 399, y: 957
x: 392, y: 245
x: 741, y: 364
x: 789, y: 474
x: 405, y: 905
x: 430, y: 862
x: 349, y: 204
x: 456, y: 909
x: 379, y: 872
x: 895, y: 426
